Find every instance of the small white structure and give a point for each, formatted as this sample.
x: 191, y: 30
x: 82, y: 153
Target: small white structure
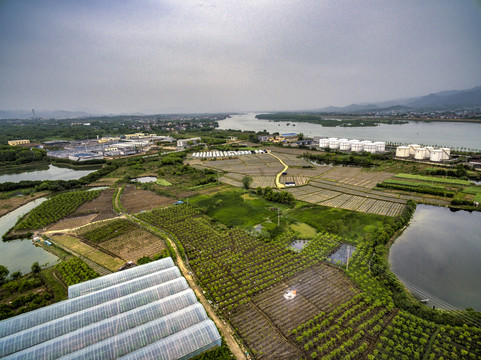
x: 420, y: 154
x: 324, y: 143
x: 412, y: 148
x: 380, y: 146
x: 436, y: 155
x: 333, y: 143
x: 290, y: 294
x: 428, y: 151
x: 344, y: 144
x: 446, y: 153
x: 402, y: 151
x: 371, y: 148
x: 357, y: 146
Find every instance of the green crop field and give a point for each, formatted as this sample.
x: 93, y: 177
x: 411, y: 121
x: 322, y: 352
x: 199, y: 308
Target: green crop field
x: 231, y: 209
x: 433, y: 179
x: 350, y: 225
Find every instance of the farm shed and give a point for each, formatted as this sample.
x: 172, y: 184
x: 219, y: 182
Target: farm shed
x: 140, y: 312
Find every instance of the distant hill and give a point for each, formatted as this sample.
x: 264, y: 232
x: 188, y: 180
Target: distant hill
x: 56, y: 114
x: 442, y: 101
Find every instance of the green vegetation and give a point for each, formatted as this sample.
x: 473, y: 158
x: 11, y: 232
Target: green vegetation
x: 317, y: 119
x: 231, y: 209
x: 74, y: 271
x: 351, y: 226
x: 236, y: 264
x: 146, y: 259
x: 17, y: 155
x: 362, y: 159
x: 282, y: 197
x: 163, y: 182
x: 110, y: 230
x: 416, y: 187
x: 304, y: 230
x: 476, y: 191
x: 433, y: 179
x: 24, y: 293
x: 55, y: 209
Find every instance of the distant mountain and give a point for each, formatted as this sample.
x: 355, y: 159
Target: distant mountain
x: 56, y: 114
x: 442, y: 101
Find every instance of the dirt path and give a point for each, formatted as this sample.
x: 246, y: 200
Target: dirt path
x: 224, y: 327
x: 278, y: 183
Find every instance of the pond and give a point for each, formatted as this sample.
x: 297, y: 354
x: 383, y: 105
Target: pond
x: 440, y: 253
x: 52, y: 173
x: 298, y: 245
x: 19, y: 255
x: 145, y: 179
x: 341, y: 255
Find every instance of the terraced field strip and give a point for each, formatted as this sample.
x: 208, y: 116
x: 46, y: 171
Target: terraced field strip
x: 263, y: 181
x: 230, y: 181
x: 261, y: 336
x: 355, y: 190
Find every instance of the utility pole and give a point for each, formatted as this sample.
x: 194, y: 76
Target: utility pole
x: 348, y: 255
x: 278, y: 216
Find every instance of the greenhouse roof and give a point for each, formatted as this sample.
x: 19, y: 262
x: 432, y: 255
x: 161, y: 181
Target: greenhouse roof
x: 143, y: 312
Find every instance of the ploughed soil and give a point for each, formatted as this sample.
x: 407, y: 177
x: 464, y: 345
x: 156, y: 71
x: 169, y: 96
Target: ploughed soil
x: 135, y: 200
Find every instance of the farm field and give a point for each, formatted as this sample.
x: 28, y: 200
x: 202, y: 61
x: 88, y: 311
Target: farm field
x: 55, y: 209
x: 102, y: 206
x: 247, y: 278
x: 123, y: 239
x: 84, y: 250
x: 349, y: 197
x: 135, y: 200
x: 356, y: 176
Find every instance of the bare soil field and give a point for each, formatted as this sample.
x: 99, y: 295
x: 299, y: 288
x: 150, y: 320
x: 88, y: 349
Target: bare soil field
x: 356, y: 176
x: 73, y: 222
x: 265, y: 323
x: 102, y: 206
x: 135, y: 200
x: 134, y: 245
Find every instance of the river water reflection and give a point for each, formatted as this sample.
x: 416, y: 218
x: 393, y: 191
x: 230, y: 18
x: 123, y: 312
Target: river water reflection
x: 52, y: 173
x: 450, y: 134
x: 440, y: 253
x: 19, y: 255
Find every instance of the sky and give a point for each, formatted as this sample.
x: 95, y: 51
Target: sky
x: 156, y: 56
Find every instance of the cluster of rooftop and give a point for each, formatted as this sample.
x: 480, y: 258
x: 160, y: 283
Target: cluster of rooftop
x: 147, y: 311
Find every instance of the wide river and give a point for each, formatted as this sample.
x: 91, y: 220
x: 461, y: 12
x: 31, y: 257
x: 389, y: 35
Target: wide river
x: 440, y: 253
x: 19, y: 255
x: 446, y: 134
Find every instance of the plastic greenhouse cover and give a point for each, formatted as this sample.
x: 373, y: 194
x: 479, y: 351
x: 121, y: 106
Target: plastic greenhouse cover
x: 63, y: 308
x: 46, y: 331
x: 180, y: 345
x: 118, y: 277
x: 109, y: 328
x: 143, y: 335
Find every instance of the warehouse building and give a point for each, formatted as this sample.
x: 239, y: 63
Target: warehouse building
x: 147, y: 311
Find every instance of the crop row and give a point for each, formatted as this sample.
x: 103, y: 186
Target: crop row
x: 74, y: 271
x: 344, y: 332
x: 55, y: 209
x: 230, y: 265
x: 433, y: 179
x: 108, y: 231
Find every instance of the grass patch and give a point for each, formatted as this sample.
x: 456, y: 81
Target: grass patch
x: 413, y: 184
x: 89, y: 252
x: 163, y: 182
x: 350, y: 225
x: 59, y: 291
x: 231, y: 209
x: 433, y: 179
x: 305, y: 230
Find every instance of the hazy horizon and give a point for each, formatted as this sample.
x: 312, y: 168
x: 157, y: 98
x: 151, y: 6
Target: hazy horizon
x: 216, y: 56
